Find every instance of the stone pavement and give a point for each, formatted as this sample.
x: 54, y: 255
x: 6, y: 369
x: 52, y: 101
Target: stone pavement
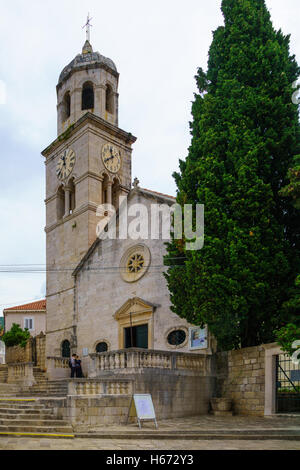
x: 200, y: 425
x: 117, y: 444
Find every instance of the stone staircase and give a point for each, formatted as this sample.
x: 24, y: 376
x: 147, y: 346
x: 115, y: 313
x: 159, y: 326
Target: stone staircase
x: 3, y: 374
x: 35, y: 415
x: 21, y: 417
x: 45, y: 387
x: 42, y: 388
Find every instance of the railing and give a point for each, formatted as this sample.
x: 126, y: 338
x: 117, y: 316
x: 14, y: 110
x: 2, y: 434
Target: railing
x: 141, y: 358
x: 57, y: 368
x: 83, y: 387
x: 59, y: 362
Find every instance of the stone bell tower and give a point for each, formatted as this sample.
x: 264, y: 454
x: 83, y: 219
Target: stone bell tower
x: 87, y: 165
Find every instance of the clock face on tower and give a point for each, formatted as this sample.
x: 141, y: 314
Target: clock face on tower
x: 111, y: 158
x: 65, y: 164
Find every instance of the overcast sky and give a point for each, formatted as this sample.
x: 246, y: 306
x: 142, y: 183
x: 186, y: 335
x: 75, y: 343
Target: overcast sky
x: 157, y: 47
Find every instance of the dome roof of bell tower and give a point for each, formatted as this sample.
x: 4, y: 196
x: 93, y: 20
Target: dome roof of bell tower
x: 87, y: 59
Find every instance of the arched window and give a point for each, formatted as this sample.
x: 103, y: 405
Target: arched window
x: 87, y: 96
x: 101, y: 347
x: 109, y: 102
x: 65, y: 349
x: 60, y: 204
x: 66, y: 112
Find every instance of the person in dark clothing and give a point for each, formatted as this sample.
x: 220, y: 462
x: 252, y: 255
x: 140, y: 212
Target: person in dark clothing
x: 72, y: 365
x: 79, y: 374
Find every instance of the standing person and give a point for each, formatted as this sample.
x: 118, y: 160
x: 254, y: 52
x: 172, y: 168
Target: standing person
x: 79, y: 373
x: 72, y: 365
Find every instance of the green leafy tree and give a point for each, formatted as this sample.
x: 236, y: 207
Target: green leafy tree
x: 290, y: 333
x: 16, y: 336
x: 245, y: 133
x: 292, y: 190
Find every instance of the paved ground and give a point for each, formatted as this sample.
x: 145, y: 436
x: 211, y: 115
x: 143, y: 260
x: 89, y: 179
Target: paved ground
x: 211, y: 423
x: 99, y: 444
x: 182, y: 426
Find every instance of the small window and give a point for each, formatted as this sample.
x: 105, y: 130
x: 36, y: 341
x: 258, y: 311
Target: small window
x: 87, y: 96
x: 177, y: 337
x: 28, y: 324
x: 101, y: 347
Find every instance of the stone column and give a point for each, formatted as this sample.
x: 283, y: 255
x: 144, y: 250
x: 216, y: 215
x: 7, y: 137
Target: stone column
x: 67, y: 201
x: 102, y: 97
x: 109, y: 192
x: 116, y: 109
x: 101, y: 191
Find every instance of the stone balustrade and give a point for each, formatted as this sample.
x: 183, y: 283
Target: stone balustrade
x: 141, y: 358
x: 58, y: 367
x: 60, y: 362
x: 93, y: 387
x: 21, y: 373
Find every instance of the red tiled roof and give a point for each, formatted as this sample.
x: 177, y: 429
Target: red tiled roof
x: 160, y: 194
x: 39, y: 305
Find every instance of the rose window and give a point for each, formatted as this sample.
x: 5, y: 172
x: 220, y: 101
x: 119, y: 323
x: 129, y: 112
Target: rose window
x: 136, y: 263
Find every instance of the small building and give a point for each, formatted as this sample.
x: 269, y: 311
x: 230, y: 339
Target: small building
x: 31, y: 316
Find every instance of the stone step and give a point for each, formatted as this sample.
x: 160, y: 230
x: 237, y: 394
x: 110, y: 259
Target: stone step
x: 193, y: 435
x: 50, y: 385
x: 22, y: 405
x: 46, y: 388
x: 43, y: 395
x: 33, y: 422
x: 14, y: 413
x: 37, y: 435
x: 37, y: 429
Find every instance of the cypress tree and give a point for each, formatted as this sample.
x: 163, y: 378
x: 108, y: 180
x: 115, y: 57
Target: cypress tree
x: 245, y: 134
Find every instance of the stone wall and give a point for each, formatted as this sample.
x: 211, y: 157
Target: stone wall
x: 40, y: 347
x: 241, y: 377
x: 174, y: 393
x: 92, y: 413
x: 16, y: 354
x: 35, y: 351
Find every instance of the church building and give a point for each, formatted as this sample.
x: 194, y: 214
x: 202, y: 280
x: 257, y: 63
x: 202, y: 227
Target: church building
x: 102, y: 294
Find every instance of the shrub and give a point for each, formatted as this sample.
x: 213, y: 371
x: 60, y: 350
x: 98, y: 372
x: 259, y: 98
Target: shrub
x: 16, y: 336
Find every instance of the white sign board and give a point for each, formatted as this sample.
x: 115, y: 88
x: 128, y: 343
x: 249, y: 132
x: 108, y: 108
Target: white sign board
x: 142, y: 407
x: 198, y: 338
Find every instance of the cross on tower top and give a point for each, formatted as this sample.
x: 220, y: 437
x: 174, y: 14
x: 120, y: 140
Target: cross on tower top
x: 88, y: 27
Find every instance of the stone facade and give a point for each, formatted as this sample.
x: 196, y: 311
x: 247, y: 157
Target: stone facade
x: 241, y: 377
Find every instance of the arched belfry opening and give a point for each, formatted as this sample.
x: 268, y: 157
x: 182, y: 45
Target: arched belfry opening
x: 66, y: 107
x: 60, y: 203
x: 109, y: 100
x: 88, y: 96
